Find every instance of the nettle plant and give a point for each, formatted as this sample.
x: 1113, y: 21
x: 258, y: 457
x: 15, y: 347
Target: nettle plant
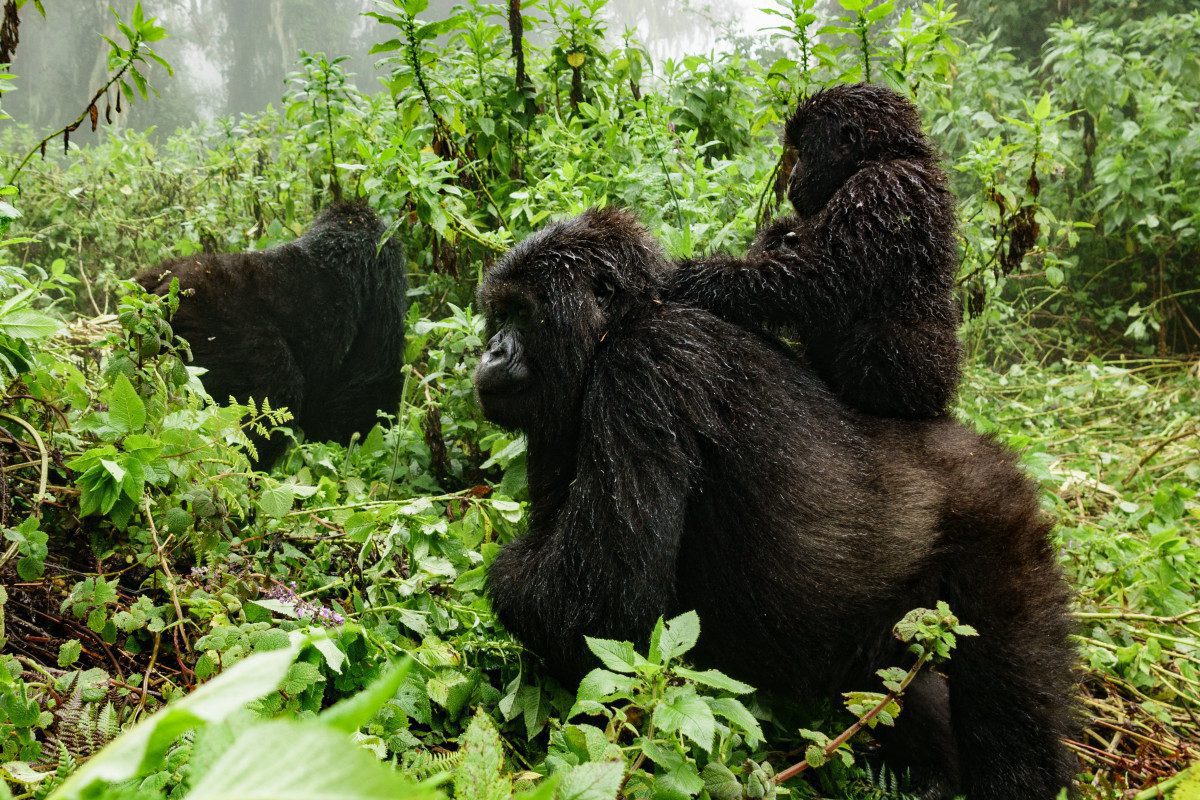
x: 649, y: 726
x: 672, y: 728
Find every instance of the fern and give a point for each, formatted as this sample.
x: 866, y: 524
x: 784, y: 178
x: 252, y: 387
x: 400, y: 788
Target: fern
x: 83, y: 727
x: 423, y: 764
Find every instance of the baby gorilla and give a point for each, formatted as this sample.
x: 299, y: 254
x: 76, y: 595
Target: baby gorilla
x: 677, y: 461
x: 316, y: 325
x: 864, y: 273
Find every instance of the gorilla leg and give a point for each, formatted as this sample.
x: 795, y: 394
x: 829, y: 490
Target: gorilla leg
x: 1007, y: 685
x: 277, y: 378
x: 922, y: 742
x: 893, y: 369
x: 351, y: 406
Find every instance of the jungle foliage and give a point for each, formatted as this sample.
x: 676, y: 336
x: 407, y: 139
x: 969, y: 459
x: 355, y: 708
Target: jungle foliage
x: 175, y: 623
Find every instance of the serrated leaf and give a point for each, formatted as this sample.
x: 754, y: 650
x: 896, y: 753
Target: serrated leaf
x: 680, y: 635
x: 735, y: 712
x: 480, y: 773
x: 720, y: 782
x: 684, y: 711
x: 601, y: 683
x: 68, y: 652
x: 617, y: 656
x: 1042, y: 110
x: 716, y: 679
x: 592, y: 781
x: 126, y: 410
x: 300, y: 677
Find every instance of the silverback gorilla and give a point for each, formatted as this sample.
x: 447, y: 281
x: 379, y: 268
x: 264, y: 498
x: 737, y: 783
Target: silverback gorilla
x: 316, y: 325
x: 677, y: 461
x: 864, y: 274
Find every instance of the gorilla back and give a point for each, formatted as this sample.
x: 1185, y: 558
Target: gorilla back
x: 316, y: 325
x: 679, y: 462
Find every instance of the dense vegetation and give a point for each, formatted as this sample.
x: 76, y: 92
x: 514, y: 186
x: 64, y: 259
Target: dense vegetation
x: 244, y: 629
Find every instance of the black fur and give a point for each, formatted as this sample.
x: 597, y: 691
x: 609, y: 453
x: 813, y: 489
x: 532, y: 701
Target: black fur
x: 677, y: 461
x: 316, y: 325
x: 864, y: 273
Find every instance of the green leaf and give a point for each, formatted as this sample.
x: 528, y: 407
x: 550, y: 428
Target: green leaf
x: 126, y: 410
x: 617, y: 656
x: 716, y: 679
x: 355, y: 711
x: 143, y: 747
x: 684, y: 711
x: 28, y: 324
x: 1042, y: 110
x: 301, y: 677
x: 680, y: 635
x: 275, y: 501
x: 592, y: 781
x: 480, y: 773
x: 68, y: 652
x: 600, y: 684
x: 287, y: 760
x: 720, y: 782
x: 735, y: 712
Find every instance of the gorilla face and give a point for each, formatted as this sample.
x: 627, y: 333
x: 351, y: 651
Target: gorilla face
x: 509, y: 381
x: 825, y: 159
x: 550, y: 304
x: 836, y: 131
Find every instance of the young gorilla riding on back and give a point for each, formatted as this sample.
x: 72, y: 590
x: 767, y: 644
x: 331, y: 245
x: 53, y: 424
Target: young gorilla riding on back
x: 316, y: 325
x: 864, y: 274
x: 678, y: 462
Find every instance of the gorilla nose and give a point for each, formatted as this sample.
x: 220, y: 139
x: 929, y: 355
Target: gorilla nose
x: 498, y: 353
x: 501, y: 367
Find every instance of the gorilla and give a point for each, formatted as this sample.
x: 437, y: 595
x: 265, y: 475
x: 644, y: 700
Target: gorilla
x: 863, y: 274
x: 316, y: 325
x: 677, y: 461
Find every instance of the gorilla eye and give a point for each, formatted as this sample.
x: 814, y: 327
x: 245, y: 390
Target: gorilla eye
x: 604, y: 291
x: 516, y: 313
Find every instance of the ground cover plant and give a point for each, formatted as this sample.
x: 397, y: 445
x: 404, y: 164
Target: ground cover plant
x: 175, y: 623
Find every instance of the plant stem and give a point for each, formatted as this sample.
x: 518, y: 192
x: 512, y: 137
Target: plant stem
x: 862, y: 721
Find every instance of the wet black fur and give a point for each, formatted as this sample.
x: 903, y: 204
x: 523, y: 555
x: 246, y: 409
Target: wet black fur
x: 316, y: 325
x: 677, y: 461
x: 863, y: 274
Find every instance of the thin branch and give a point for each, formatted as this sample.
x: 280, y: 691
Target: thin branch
x: 162, y: 560
x: 861, y: 723
x: 66, y: 129
x: 1158, y: 448
x: 45, y: 455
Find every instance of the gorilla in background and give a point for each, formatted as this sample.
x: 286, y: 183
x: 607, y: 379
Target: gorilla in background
x: 864, y: 273
x: 677, y: 461
x: 316, y: 324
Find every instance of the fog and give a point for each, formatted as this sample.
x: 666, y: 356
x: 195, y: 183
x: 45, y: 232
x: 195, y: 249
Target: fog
x: 233, y: 56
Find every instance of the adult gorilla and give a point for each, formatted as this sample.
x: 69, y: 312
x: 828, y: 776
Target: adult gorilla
x: 316, y: 325
x: 678, y: 462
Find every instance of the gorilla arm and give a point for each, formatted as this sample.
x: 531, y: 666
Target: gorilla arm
x: 603, y: 561
x: 804, y: 273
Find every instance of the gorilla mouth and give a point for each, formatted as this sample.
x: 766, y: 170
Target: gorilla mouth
x: 501, y: 389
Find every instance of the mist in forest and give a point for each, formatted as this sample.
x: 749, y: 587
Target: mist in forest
x: 234, y: 56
